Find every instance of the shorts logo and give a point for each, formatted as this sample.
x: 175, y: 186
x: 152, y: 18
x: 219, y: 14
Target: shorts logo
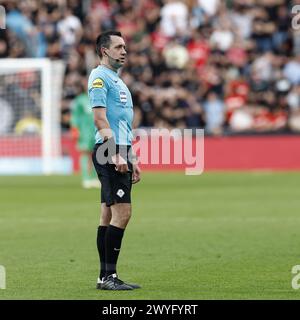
x: 120, y: 193
x: 97, y: 83
x: 123, y: 96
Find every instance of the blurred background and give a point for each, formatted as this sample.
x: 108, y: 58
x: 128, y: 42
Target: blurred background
x: 230, y: 67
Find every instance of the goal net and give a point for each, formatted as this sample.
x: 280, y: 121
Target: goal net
x: 30, y: 94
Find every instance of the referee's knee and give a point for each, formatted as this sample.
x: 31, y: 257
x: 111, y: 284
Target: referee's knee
x: 125, y: 219
x: 121, y: 214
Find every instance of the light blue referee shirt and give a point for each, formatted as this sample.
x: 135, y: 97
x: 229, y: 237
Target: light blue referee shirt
x: 107, y: 90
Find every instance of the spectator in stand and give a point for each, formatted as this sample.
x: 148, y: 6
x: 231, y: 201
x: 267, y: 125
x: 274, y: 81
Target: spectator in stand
x: 263, y: 30
x: 198, y: 48
x: 214, y: 113
x: 4, y: 44
x: 292, y: 70
x: 69, y: 30
x: 210, y: 8
x: 222, y: 37
x: 293, y: 100
x: 174, y: 18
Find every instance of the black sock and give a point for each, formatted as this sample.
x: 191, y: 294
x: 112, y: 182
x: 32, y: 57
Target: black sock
x: 113, y: 240
x: 101, y: 249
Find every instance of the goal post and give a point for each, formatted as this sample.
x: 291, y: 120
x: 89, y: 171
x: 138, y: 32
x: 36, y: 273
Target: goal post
x: 30, y: 133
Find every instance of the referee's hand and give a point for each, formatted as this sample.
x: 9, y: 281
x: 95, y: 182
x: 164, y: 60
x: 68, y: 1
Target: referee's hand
x: 136, y: 176
x: 120, y: 163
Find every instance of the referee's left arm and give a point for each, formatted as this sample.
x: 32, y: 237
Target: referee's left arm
x: 136, y: 175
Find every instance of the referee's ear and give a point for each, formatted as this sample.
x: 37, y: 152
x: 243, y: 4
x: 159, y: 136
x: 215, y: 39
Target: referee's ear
x: 99, y: 52
x: 103, y: 52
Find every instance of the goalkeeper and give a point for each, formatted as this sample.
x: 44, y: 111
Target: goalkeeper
x: 83, y: 130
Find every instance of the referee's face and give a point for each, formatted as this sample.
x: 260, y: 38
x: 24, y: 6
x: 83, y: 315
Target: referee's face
x: 117, y: 52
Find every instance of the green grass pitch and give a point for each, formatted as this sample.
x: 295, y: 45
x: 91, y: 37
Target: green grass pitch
x: 214, y: 236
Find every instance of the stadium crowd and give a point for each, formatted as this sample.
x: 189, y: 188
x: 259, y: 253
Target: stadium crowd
x: 228, y: 66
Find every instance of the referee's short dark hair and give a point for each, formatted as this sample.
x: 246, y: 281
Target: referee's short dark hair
x: 104, y: 40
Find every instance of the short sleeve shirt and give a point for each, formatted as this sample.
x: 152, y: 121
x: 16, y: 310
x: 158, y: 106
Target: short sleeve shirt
x: 107, y: 90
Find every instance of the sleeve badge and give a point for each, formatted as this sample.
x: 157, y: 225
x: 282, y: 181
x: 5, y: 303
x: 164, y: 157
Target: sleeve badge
x: 98, y: 83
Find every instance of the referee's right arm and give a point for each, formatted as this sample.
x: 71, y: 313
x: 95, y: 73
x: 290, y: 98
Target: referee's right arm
x: 106, y: 133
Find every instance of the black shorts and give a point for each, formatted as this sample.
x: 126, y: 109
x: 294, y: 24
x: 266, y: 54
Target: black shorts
x: 115, y: 186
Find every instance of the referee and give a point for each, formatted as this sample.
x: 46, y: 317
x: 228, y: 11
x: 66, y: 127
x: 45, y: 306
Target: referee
x: 113, y: 114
